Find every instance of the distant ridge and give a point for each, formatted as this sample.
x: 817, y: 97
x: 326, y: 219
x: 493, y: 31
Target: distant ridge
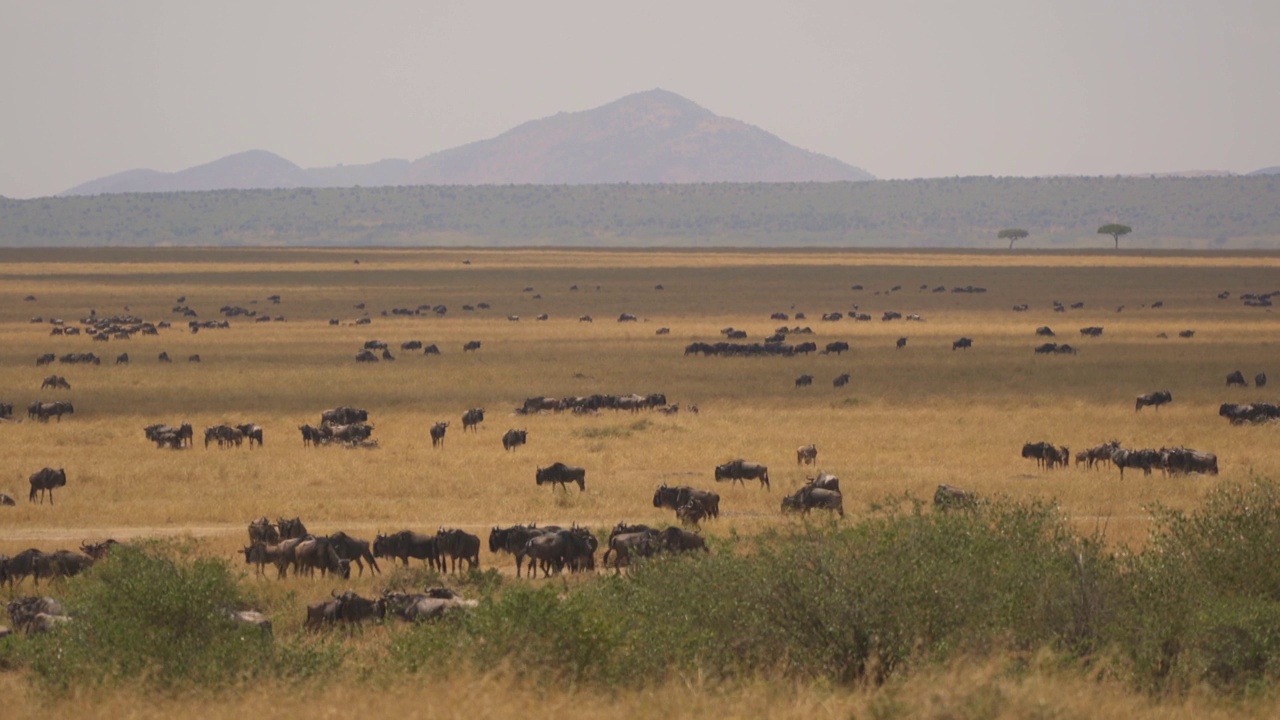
x: 1273, y: 170
x: 650, y: 137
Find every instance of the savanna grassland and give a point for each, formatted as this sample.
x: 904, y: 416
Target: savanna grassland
x: 909, y: 420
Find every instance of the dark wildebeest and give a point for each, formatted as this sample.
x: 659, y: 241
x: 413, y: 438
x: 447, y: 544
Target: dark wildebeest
x: 1154, y: 399
x: 318, y: 553
x: 676, y: 497
x: 513, y: 540
x: 809, y: 497
x: 18, y: 567
x: 46, y: 479
x: 901, y: 343
x: 291, y: 528
x: 458, y: 545
x: 311, y: 435
x: 514, y: 438
x: 409, y: 544
x: 344, y: 416
x: 838, y: 347
x: 1045, y: 331
x: 472, y: 418
x: 1260, y: 380
x: 1143, y: 459
x: 366, y: 356
x: 354, y: 550
x: 164, y: 357
x: 193, y: 358
x: 806, y: 454
x: 1236, y: 378
x: 325, y: 612
x: 627, y: 545
x: 804, y: 381
x: 55, y: 381
x: 692, y: 512
x: 251, y: 432
x: 740, y: 470
x: 7, y: 499
x: 1186, y: 460
x: 676, y: 540
x: 950, y: 497
x: 472, y: 345
x: 562, y: 474
x: 825, y: 481
x: 281, y: 555
x: 437, y: 434
x: 262, y: 531
x: 963, y: 343
x: 841, y: 380
x: 56, y: 409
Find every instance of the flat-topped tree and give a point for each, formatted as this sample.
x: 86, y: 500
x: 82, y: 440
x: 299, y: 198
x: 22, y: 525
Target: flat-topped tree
x: 1115, y: 230
x: 1012, y: 235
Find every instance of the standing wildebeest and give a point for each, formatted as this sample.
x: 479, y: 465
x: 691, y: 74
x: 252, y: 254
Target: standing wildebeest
x: 740, y: 470
x: 825, y: 481
x: 314, y: 552
x: 472, y: 345
x: 122, y: 359
x: 56, y: 409
x: 354, y: 550
x: 837, y: 347
x: 437, y: 434
x: 1260, y: 380
x: 55, y: 381
x: 841, y: 380
x: 676, y: 540
x: 1236, y: 378
x: 1154, y: 399
x: 809, y: 497
x: 472, y: 418
x: 901, y: 343
x: 804, y: 381
x: 163, y: 357
x: 458, y: 545
x: 251, y: 432
x: 806, y: 454
x: 513, y: 540
x: 514, y: 438
x: 963, y: 343
x: 344, y: 415
x: 1046, y: 455
x: 262, y: 531
x: 1144, y: 459
x: 563, y: 474
x: 46, y: 479
x: 406, y: 544
x: 312, y: 435
x: 1045, y: 331
x: 949, y: 497
x: 679, y: 496
x: 291, y: 528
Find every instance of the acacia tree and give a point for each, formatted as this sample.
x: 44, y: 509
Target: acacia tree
x: 1012, y: 235
x: 1115, y: 230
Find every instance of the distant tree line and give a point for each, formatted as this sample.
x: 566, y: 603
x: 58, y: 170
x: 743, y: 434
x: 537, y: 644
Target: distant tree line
x: 953, y: 212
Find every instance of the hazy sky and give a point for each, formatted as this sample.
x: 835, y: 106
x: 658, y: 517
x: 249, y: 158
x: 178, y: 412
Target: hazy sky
x: 900, y: 88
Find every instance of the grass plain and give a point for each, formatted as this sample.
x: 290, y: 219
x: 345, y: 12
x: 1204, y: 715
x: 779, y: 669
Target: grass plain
x: 909, y: 420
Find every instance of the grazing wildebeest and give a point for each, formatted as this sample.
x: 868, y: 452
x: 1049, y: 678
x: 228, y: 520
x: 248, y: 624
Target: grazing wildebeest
x: 317, y: 553
x: 472, y: 418
x: 1260, y: 380
x: 458, y: 545
x: 584, y: 318
x: 901, y: 343
x: 841, y: 380
x: 1236, y: 378
x: 806, y: 454
x: 55, y: 381
x: 409, y: 544
x: 366, y: 356
x: 354, y: 550
x: 344, y: 416
x: 43, y: 411
x: 472, y: 345
x: 1045, y: 331
x: 963, y: 343
x: 1186, y: 460
x: 514, y: 438
x: 804, y: 381
x: 642, y: 542
x: 46, y: 479
x: 164, y: 357
x: 677, y: 540
x: 809, y: 497
x: 1091, y: 331
x: 193, y: 358
x: 692, y: 512
x: 325, y: 612
x: 950, y: 497
x: 559, y: 473
x: 837, y: 347
x: 45, y: 359
x: 122, y: 359
x: 740, y: 471
x: 437, y: 434
x: 676, y: 497
x: 513, y: 540
x: 1143, y: 459
x: 1047, y: 455
x: 431, y: 350
x: 1154, y: 399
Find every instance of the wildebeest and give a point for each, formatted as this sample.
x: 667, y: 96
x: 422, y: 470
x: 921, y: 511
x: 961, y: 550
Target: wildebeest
x: 1186, y: 460
x: 45, y: 359
x: 740, y: 471
x: 1154, y: 399
x: 458, y: 545
x: 562, y: 474
x: 313, y: 435
x: 806, y: 454
x: 193, y: 358
x: 366, y: 356
x: 1047, y: 455
x: 291, y: 528
x: 34, y: 614
x: 354, y: 550
x: 1045, y: 331
x: 1144, y: 459
x: 409, y: 544
x: 628, y: 543
x: 514, y: 438
x: 43, y: 411
x: 224, y: 435
x: 46, y: 479
x: 344, y: 416
x: 437, y: 434
x: 431, y: 349
x: 472, y: 418
x: 163, y: 357
x: 251, y: 432
x: 122, y: 359
x: 804, y: 381
x: 7, y: 500
x: 262, y: 531
x: 841, y: 380
x: 825, y: 481
x: 513, y: 540
x: 55, y: 381
x: 963, y: 343
x: 318, y: 553
x: 1260, y: 380
x: 950, y: 497
x: 1098, y: 454
x: 1236, y: 378
x: 837, y: 347
x: 901, y: 343
x: 808, y: 497
x: 419, y: 607
x: 471, y: 345
x: 676, y: 497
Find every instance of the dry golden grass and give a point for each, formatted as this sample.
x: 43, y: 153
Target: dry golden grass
x: 909, y: 420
